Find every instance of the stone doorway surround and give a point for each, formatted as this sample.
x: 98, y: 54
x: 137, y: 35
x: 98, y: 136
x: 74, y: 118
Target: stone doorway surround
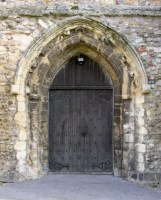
x: 40, y: 64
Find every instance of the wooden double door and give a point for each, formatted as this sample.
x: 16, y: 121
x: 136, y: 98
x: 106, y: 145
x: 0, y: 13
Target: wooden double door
x: 80, y: 128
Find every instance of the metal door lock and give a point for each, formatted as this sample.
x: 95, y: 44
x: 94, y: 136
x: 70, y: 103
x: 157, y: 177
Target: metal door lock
x: 84, y: 134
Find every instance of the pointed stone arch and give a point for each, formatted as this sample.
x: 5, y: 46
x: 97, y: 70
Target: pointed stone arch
x: 41, y: 62
x: 96, y: 30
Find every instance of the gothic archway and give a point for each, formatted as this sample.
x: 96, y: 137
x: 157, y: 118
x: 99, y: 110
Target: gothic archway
x: 43, y: 60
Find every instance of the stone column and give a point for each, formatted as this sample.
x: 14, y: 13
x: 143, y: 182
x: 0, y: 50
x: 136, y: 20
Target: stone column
x: 33, y: 153
x: 20, y: 146
x: 128, y: 137
x: 141, y: 131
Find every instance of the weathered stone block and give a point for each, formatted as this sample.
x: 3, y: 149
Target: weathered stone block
x: 146, y: 89
x: 140, y: 148
x: 15, y: 89
x: 11, y: 177
x: 141, y: 121
x: 16, y: 178
x: 140, y: 157
x: 141, y: 176
x: 143, y: 131
x: 89, y: 42
x: 4, y: 176
x: 34, y: 145
x: 134, y: 176
x: 117, y: 99
x: 75, y: 40
x: 33, y: 106
x: 20, y: 146
x: 45, y: 91
x: 35, y: 97
x: 146, y: 176
x: 22, y: 169
x: 152, y: 177
x: 21, y: 163
x: 53, y: 54
x: 43, y: 24
x: 45, y: 105
x: 107, y: 51
x: 158, y: 83
x: 140, y: 112
x: 127, y: 127
x: 117, y: 90
x: 46, y: 168
x: 128, y: 138
x: 44, y: 115
x: 117, y: 110
x: 158, y: 176
x: 140, y: 167
x: 20, y: 98
x: 20, y: 119
x: 21, y: 106
x: 21, y: 155
x: 33, y: 155
x: 116, y: 120
x: 117, y: 172
x: 42, y: 68
x: 35, y: 164
x: 23, y: 135
x: 157, y: 49
x: 27, y: 89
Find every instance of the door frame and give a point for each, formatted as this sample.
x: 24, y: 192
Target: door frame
x: 36, y: 69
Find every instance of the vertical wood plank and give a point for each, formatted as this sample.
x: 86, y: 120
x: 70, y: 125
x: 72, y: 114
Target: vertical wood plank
x: 85, y: 111
x: 70, y: 132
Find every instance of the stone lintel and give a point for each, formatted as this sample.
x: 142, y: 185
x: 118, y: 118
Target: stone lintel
x: 62, y: 10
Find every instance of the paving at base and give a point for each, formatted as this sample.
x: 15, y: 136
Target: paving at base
x: 77, y: 187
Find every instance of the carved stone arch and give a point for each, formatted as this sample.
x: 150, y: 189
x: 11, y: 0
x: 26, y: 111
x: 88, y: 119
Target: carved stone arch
x: 42, y: 61
x: 96, y: 29
x: 97, y: 52
x: 54, y: 67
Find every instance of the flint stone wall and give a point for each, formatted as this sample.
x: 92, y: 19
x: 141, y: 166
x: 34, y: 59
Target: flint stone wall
x: 21, y: 23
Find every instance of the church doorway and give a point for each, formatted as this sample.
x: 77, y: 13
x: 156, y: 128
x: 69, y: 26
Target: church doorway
x: 81, y: 118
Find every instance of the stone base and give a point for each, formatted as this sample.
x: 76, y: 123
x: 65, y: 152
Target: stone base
x: 11, y: 177
x: 148, y: 177
x: 15, y: 177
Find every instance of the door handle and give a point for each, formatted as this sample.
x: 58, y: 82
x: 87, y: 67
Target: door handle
x: 84, y: 134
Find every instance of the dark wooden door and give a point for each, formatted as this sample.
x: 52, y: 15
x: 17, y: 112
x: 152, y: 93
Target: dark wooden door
x: 80, y: 124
